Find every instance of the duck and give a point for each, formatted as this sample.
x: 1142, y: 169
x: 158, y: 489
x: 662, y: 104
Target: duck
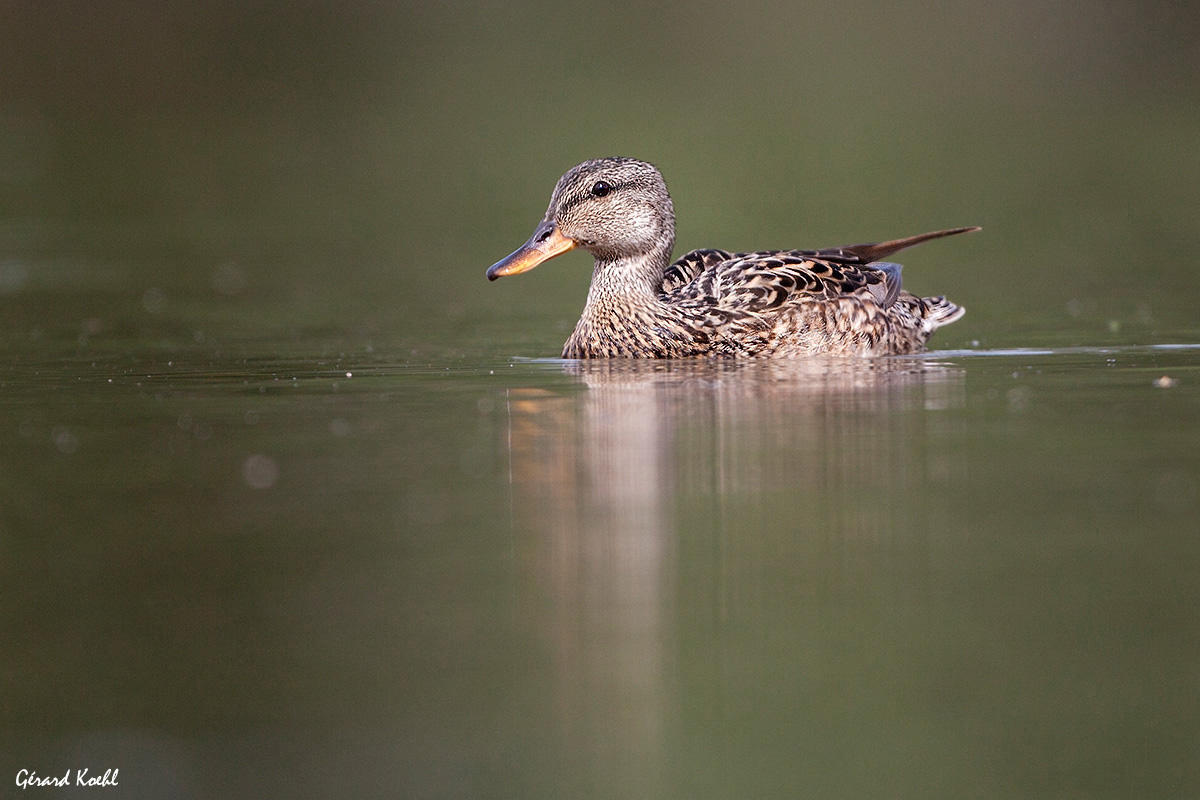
x: 840, y: 301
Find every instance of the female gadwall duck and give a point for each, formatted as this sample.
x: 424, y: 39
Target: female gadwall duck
x: 841, y: 301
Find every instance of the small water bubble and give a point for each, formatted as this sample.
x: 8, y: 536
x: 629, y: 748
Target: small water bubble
x: 1074, y: 307
x: 339, y: 427
x: 349, y: 374
x: 228, y: 278
x: 250, y: 417
x: 64, y: 441
x: 1018, y: 399
x: 1114, y: 325
x: 260, y: 471
x: 154, y: 300
x: 25, y: 429
x: 198, y: 337
x: 484, y: 405
x: 184, y: 420
x: 13, y: 276
x: 202, y: 431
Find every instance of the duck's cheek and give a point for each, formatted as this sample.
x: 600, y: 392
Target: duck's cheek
x: 644, y: 225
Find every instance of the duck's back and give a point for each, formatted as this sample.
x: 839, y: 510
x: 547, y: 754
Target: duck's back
x: 802, y: 302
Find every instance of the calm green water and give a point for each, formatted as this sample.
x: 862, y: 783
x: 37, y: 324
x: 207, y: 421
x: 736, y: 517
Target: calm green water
x: 969, y: 574
x: 295, y: 504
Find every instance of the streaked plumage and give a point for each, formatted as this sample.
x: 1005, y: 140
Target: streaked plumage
x: 842, y: 301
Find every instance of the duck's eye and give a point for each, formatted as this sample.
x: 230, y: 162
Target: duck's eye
x: 600, y: 188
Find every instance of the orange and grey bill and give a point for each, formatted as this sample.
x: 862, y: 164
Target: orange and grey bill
x: 545, y: 244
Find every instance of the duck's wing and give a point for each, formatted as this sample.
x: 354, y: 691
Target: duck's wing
x: 757, y: 282
x: 751, y: 283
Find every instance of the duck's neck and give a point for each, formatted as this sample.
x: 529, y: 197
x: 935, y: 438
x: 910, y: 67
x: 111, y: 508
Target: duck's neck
x: 624, y: 299
x: 632, y: 279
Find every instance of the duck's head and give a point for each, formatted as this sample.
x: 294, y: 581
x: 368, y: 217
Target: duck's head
x: 615, y: 208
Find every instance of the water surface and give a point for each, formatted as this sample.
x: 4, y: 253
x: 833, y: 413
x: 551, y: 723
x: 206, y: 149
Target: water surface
x: 968, y: 573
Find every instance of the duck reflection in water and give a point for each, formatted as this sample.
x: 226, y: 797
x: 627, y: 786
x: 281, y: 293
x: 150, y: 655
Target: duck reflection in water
x: 653, y: 458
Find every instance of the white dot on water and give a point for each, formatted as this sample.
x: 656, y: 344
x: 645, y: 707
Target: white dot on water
x: 12, y: 277
x: 260, y: 471
x: 228, y: 278
x: 64, y: 440
x: 349, y: 374
x: 153, y: 300
x: 339, y: 427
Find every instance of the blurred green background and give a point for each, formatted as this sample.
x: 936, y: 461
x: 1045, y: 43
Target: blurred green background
x: 369, y: 160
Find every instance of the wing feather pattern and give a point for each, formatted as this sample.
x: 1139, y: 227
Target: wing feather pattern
x: 767, y: 280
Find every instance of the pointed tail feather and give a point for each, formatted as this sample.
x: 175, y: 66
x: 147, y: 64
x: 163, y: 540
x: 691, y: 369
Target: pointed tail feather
x: 874, y: 252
